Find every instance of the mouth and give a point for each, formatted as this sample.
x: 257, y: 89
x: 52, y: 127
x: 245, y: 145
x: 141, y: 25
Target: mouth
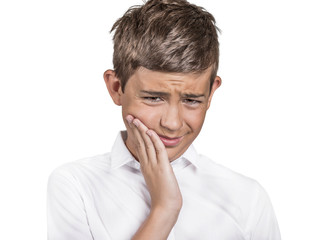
x: 171, y: 142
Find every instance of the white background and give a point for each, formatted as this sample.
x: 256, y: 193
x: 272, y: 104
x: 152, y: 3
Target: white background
x: 55, y: 107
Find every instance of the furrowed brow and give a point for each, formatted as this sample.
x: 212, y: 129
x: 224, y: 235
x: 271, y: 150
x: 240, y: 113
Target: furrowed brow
x: 155, y: 93
x: 192, y: 95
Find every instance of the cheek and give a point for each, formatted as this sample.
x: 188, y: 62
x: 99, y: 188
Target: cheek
x: 195, y: 120
x: 149, y: 116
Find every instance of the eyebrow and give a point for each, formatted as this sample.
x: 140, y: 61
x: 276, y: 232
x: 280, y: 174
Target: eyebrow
x: 164, y: 94
x: 155, y: 93
x: 192, y: 95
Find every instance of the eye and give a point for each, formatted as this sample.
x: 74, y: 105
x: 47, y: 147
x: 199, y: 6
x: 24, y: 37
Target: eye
x: 191, y: 101
x: 153, y: 99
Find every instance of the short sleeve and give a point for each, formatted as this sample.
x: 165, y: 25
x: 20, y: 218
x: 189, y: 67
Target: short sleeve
x: 65, y: 208
x: 262, y: 221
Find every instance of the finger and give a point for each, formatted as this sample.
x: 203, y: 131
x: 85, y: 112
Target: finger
x: 129, y: 119
x: 149, y: 147
x: 138, y: 141
x: 160, y: 150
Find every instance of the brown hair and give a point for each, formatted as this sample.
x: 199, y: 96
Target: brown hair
x: 165, y: 35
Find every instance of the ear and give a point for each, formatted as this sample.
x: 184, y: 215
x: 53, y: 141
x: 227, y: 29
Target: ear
x: 216, y: 84
x: 113, y: 85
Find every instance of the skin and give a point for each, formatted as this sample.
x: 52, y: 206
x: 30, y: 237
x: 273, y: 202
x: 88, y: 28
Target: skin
x: 163, y: 113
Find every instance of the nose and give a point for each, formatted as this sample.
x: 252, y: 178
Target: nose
x: 171, y: 119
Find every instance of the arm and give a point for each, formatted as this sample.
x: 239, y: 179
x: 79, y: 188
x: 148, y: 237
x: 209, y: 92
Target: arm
x: 262, y: 220
x: 66, y: 216
x: 158, y: 225
x: 166, y: 198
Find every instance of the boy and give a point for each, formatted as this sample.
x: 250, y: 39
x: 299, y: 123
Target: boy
x: 153, y: 184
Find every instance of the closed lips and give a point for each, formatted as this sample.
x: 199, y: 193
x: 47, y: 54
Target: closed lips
x: 170, y: 141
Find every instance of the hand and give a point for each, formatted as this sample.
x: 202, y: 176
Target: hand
x: 156, y: 168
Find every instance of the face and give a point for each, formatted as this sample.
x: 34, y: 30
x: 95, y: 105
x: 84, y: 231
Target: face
x: 174, y: 105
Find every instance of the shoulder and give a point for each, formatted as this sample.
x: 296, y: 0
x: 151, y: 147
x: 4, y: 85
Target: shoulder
x: 240, y: 190
x: 69, y: 197
x: 243, y: 197
x: 73, y: 172
x: 225, y: 174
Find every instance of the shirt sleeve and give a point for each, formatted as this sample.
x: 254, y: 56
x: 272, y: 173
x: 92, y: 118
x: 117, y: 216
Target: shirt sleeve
x: 262, y: 220
x: 65, y: 208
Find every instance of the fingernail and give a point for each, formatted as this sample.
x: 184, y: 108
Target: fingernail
x: 148, y: 132
x: 129, y: 119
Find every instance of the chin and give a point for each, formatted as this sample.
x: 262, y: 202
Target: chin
x: 173, y: 155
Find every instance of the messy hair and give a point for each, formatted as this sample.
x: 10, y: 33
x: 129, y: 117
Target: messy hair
x: 167, y: 36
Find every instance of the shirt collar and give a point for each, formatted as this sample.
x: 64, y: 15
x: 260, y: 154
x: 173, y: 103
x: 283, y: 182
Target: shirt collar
x: 120, y: 155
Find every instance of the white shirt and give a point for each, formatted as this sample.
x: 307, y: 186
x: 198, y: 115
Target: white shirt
x: 105, y: 197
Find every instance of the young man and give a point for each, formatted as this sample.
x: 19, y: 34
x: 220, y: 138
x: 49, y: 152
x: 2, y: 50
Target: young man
x: 153, y: 184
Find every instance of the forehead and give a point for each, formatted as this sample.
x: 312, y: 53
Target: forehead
x: 147, y: 79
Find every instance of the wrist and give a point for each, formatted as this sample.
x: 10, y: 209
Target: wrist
x: 165, y: 214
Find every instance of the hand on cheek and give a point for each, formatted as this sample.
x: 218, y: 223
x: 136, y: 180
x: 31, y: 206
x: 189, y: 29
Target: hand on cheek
x: 155, y: 167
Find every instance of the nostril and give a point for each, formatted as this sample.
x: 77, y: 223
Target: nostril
x: 171, y: 123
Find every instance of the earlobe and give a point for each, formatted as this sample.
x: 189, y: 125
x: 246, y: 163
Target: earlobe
x: 113, y: 86
x: 216, y: 84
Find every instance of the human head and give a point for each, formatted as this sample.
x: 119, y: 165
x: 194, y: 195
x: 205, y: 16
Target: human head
x: 167, y: 36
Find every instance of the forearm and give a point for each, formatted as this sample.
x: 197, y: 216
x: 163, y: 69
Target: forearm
x: 157, y: 226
